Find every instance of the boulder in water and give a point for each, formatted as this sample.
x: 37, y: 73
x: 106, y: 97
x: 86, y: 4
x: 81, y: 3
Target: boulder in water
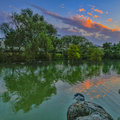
x: 87, y: 111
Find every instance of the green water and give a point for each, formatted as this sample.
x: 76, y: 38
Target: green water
x: 45, y: 91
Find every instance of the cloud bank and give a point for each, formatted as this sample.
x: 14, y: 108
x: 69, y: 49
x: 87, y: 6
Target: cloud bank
x: 82, y: 23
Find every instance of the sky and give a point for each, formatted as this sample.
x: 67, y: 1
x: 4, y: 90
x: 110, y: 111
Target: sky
x: 97, y: 20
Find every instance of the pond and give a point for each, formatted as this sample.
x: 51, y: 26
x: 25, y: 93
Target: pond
x: 45, y: 91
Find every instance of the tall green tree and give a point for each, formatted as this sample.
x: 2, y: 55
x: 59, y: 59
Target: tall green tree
x: 73, y: 52
x: 31, y: 31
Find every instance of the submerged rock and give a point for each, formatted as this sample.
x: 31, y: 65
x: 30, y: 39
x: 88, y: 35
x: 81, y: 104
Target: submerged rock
x: 87, y: 111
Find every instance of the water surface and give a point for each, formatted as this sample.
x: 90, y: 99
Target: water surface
x: 45, y: 91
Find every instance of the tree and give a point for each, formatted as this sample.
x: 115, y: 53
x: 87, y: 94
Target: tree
x: 57, y: 44
x: 15, y: 34
x: 78, y: 40
x: 37, y: 34
x: 107, y: 45
x: 108, y: 50
x: 31, y: 31
x: 67, y: 40
x: 73, y: 52
x: 95, y: 54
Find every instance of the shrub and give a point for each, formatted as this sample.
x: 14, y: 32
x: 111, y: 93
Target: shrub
x: 58, y: 55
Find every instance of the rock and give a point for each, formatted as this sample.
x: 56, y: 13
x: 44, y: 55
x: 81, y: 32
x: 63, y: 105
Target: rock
x: 87, y: 111
x: 118, y: 118
x: 119, y: 91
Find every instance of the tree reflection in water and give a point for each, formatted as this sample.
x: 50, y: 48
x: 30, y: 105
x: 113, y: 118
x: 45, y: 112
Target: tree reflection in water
x: 29, y: 86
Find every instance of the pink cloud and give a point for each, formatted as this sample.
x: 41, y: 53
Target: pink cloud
x: 95, y: 16
x: 96, y: 10
x: 81, y: 9
x: 89, y: 13
x: 109, y: 20
x: 116, y: 28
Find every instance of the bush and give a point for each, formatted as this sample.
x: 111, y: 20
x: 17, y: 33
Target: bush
x: 58, y: 55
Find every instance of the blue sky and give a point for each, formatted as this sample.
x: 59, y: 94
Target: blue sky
x: 97, y: 20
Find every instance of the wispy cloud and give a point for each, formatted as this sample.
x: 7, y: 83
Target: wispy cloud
x: 109, y: 20
x: 89, y: 13
x: 91, y: 6
x: 62, y: 6
x: 115, y: 21
x: 72, y: 30
x: 81, y: 9
x: 97, y: 10
x: 76, y: 31
x: 13, y: 7
x: 95, y: 16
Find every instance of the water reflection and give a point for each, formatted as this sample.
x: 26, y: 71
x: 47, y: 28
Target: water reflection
x: 27, y: 87
x: 95, y: 86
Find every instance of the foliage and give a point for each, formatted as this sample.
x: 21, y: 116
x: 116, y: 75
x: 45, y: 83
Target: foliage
x: 73, y: 52
x: 95, y: 54
x: 76, y: 40
x: 111, y: 51
x: 58, y: 55
x: 57, y: 44
x: 1, y: 55
x: 31, y: 31
x: 107, y: 46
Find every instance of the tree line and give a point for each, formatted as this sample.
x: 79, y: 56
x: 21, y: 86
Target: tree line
x: 39, y: 41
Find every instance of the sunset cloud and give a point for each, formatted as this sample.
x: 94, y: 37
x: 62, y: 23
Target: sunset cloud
x: 89, y: 13
x: 72, y: 30
x: 116, y: 28
x: 115, y: 21
x: 109, y: 20
x: 96, y: 10
x: 77, y: 16
x: 95, y: 16
x: 81, y: 9
x: 84, y: 23
x: 106, y: 12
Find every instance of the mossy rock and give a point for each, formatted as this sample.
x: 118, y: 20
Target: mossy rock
x: 87, y: 111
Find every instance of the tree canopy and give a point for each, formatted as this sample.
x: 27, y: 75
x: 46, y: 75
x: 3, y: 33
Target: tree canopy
x: 30, y: 31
